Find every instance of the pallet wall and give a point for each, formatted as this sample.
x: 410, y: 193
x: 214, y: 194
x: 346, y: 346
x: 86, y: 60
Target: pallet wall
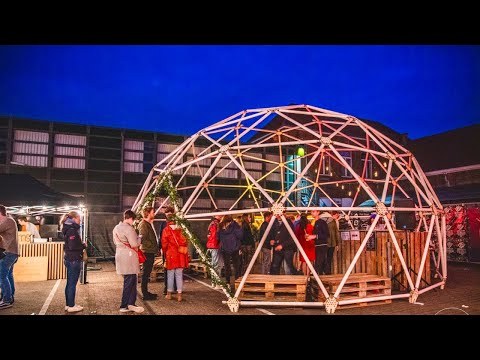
x: 376, y: 261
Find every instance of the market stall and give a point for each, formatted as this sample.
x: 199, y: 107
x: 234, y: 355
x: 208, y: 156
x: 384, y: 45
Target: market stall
x: 40, y: 258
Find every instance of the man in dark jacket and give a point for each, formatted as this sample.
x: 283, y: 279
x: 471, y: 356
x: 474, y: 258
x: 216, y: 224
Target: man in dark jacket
x: 320, y: 236
x: 8, y: 257
x: 283, y: 247
x: 267, y: 247
x: 230, y: 239
x: 149, y: 247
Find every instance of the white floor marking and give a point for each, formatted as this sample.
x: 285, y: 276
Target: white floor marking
x: 49, y: 298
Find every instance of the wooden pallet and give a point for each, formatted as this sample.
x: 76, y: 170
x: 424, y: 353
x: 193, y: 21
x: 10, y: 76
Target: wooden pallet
x: 200, y: 268
x: 273, y: 287
x: 359, y: 285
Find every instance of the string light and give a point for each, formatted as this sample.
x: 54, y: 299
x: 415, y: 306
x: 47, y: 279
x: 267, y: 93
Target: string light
x: 350, y: 193
x: 336, y: 184
x: 375, y: 173
x: 343, y: 186
x: 384, y: 164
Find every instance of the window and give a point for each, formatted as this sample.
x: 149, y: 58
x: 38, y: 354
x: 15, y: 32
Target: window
x: 69, y: 151
x: 30, y: 148
x: 368, y: 172
x: 138, y: 156
x: 325, y: 168
x: 163, y: 150
x: 347, y: 155
x: 128, y: 201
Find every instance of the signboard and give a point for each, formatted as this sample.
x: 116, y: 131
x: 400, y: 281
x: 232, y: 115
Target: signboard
x: 355, y: 235
x: 345, y: 235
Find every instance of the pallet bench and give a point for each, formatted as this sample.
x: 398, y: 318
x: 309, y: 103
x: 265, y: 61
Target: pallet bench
x: 273, y: 287
x: 358, y: 285
x: 200, y: 268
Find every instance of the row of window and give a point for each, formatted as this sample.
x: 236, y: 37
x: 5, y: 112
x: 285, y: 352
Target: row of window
x: 30, y: 148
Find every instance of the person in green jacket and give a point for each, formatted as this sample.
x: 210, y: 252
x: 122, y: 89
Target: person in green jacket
x: 150, y: 247
x: 334, y: 239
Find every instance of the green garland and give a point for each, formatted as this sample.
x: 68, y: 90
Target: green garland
x: 165, y: 185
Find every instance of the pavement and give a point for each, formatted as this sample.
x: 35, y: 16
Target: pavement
x: 101, y: 296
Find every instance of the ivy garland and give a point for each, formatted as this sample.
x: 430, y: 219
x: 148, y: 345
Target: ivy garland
x: 165, y: 185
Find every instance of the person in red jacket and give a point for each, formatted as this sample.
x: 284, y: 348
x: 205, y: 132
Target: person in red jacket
x: 213, y: 247
x: 174, y: 246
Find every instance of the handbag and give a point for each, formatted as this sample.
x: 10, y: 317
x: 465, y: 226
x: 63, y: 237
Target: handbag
x: 141, y: 255
x: 181, y: 249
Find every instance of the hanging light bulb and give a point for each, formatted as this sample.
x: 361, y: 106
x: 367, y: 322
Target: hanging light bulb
x: 375, y: 173
x: 326, y: 168
x: 331, y: 174
x: 350, y: 193
x: 343, y: 186
x: 385, y: 164
x: 336, y: 184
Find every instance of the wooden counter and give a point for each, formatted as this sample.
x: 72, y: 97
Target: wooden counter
x: 40, y: 261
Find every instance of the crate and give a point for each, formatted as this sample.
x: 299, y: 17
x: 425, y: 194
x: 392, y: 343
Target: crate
x: 273, y: 287
x: 199, y: 268
x: 357, y: 286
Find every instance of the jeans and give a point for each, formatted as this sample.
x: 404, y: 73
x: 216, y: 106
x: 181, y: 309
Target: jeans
x: 129, y: 294
x: 328, y: 265
x: 320, y: 259
x: 278, y: 257
x: 6, y: 276
x: 215, y: 253
x: 73, y: 273
x: 176, y: 274
x: 147, y: 270
x: 266, y: 261
x: 165, y: 278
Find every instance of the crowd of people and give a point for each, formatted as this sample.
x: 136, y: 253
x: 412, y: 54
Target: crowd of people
x: 230, y: 244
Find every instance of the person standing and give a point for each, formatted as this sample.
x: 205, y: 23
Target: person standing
x: 320, y: 236
x: 213, y: 247
x: 302, y: 230
x: 267, y: 246
x: 31, y: 228
x: 8, y: 257
x: 168, y: 211
x: 248, y: 242
x: 126, y: 260
x: 333, y: 238
x: 174, y: 246
x: 73, y: 260
x: 150, y: 247
x: 230, y: 240
x: 283, y: 247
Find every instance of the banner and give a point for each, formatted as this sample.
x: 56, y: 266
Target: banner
x: 473, y: 214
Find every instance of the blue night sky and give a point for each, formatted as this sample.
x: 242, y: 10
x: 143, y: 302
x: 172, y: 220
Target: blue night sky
x: 420, y: 90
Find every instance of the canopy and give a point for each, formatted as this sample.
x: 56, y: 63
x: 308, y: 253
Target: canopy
x: 22, y: 190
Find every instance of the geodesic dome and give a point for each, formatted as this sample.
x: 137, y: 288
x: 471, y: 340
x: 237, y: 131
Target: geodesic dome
x: 300, y: 158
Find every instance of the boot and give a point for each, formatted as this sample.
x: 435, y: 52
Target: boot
x: 168, y: 296
x: 179, y: 296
